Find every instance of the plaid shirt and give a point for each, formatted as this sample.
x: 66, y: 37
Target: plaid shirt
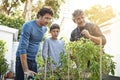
x: 93, y: 29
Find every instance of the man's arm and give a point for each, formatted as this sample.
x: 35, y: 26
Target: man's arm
x: 24, y: 43
x: 95, y: 39
x: 45, y: 49
x: 23, y: 58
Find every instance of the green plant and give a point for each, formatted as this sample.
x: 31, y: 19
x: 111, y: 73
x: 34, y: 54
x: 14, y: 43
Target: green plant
x: 3, y: 61
x: 73, y: 65
x: 13, y: 21
x: 85, y: 50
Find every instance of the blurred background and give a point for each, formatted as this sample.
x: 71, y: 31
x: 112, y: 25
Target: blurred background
x: 104, y: 13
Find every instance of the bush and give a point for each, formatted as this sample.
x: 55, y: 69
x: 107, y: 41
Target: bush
x: 84, y: 51
x: 75, y: 62
x: 13, y: 22
x: 3, y: 61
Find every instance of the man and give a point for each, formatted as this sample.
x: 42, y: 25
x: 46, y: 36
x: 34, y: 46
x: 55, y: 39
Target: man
x: 84, y: 29
x: 31, y: 35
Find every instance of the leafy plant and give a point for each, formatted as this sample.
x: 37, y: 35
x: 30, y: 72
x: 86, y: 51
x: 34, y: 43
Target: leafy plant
x: 73, y: 65
x: 3, y: 61
x: 85, y: 50
x: 13, y: 22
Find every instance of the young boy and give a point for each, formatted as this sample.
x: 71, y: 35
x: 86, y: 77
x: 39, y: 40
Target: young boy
x: 52, y: 47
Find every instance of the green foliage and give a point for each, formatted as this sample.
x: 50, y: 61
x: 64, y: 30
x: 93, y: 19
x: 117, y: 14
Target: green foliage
x: 55, y: 4
x: 74, y: 63
x: 3, y: 61
x: 12, y: 7
x: 98, y: 14
x: 85, y: 50
x: 9, y: 5
x: 40, y: 61
x: 13, y: 22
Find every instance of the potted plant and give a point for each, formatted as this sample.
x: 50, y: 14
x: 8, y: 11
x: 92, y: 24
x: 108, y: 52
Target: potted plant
x: 10, y: 74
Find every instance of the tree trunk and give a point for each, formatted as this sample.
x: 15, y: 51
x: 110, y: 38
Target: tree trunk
x: 27, y: 10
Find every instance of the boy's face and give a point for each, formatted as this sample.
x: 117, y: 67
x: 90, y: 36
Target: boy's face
x: 54, y: 33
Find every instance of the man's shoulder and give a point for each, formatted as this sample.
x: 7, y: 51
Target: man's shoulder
x: 28, y: 23
x: 74, y: 30
x: 91, y: 25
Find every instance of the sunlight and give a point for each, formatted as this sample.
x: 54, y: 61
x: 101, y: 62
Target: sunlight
x: 110, y: 31
x: 84, y: 4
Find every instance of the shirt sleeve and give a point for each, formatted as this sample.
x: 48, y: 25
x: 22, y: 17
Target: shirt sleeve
x: 64, y: 47
x: 72, y: 37
x: 24, y: 39
x: 98, y: 33
x: 45, y: 49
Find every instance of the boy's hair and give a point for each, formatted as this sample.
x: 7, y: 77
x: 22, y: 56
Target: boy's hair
x: 54, y: 26
x: 45, y: 10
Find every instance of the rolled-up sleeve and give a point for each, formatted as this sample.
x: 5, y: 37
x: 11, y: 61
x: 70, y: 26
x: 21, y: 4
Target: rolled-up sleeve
x: 98, y: 33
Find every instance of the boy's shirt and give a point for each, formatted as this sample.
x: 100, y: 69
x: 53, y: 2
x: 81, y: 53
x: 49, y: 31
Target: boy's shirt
x: 53, y: 48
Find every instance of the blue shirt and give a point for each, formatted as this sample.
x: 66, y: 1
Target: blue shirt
x: 53, y: 48
x: 30, y: 38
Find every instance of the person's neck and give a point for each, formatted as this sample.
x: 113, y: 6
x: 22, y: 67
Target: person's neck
x: 38, y: 23
x: 53, y: 38
x: 81, y: 26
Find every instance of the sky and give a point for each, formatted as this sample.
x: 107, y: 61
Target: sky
x: 87, y: 3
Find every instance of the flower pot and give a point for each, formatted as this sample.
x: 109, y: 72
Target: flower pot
x: 10, y: 75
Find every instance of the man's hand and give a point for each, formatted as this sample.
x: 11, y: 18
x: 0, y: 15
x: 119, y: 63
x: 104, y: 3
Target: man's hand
x: 29, y: 73
x: 86, y: 33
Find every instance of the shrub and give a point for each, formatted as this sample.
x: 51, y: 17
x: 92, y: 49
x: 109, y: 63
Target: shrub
x: 74, y: 63
x: 12, y: 21
x: 3, y: 61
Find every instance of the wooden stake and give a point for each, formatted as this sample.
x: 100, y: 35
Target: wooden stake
x: 101, y: 58
x: 51, y: 67
x: 68, y: 64
x: 46, y: 64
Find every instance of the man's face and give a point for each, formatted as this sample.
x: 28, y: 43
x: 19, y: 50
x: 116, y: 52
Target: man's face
x: 54, y: 33
x: 44, y: 20
x: 80, y: 20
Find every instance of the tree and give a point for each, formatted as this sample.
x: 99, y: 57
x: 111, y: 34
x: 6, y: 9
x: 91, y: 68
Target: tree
x: 98, y: 14
x: 27, y: 10
x: 15, y: 17
x: 8, y: 6
x: 55, y: 4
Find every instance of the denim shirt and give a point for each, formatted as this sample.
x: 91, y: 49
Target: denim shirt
x: 30, y: 38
